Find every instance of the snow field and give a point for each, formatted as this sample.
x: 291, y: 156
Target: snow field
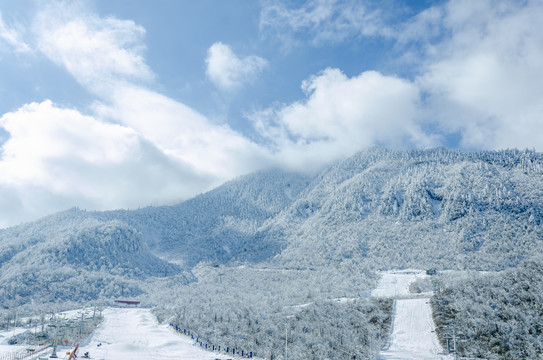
x: 10, y: 350
x: 394, y: 284
x: 124, y: 334
x: 412, y: 334
x: 136, y: 334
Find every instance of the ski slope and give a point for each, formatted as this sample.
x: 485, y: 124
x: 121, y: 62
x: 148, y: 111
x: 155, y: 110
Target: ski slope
x: 135, y: 334
x: 412, y: 335
x: 124, y: 334
x: 395, y: 284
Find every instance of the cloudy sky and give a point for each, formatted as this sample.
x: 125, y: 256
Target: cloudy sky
x: 109, y: 104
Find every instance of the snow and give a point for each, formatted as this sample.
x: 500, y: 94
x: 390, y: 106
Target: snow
x: 394, y: 284
x: 129, y: 333
x: 5, y: 335
x: 413, y: 333
x: 7, y: 349
x: 135, y: 334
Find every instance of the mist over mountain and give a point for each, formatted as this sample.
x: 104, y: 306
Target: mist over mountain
x: 217, y: 226
x: 436, y: 208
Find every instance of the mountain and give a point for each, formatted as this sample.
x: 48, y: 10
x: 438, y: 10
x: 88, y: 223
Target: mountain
x: 435, y: 208
x: 79, y: 255
x: 68, y: 257
x: 219, y: 225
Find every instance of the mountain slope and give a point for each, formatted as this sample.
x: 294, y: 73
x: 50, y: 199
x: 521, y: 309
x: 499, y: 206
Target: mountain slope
x: 389, y: 209
x: 436, y: 208
x: 219, y: 225
x: 78, y: 260
x: 78, y: 255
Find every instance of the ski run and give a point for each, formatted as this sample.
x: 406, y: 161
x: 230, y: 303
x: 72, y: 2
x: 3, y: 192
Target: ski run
x: 412, y: 334
x: 134, y: 333
x: 128, y: 333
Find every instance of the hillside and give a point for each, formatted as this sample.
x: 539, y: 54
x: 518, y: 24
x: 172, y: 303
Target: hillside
x: 391, y: 209
x: 219, y: 225
x: 496, y: 315
x: 77, y: 255
x: 437, y: 208
x: 234, y: 263
x: 78, y: 260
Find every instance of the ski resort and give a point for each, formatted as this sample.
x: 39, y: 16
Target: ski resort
x: 271, y: 180
x: 135, y: 332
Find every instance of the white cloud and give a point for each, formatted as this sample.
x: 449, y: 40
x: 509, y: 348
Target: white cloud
x: 98, y: 52
x: 136, y: 147
x: 479, y: 62
x: 423, y: 27
x: 105, y: 55
x: 485, y: 79
x: 159, y: 152
x: 323, y: 21
x: 342, y: 115
x: 56, y: 158
x: 228, y: 71
x: 480, y: 76
x: 183, y: 133
x: 12, y: 38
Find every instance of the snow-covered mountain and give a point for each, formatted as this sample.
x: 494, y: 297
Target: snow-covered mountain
x: 435, y: 208
x: 69, y: 257
x: 79, y: 255
x: 217, y: 226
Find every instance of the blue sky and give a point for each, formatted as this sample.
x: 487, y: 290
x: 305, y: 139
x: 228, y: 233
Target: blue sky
x: 116, y: 104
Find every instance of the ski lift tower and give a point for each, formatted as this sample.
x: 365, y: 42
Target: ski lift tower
x: 54, y: 354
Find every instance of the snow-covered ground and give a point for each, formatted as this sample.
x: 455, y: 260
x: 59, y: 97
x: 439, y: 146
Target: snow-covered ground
x: 135, y: 334
x: 394, y: 284
x: 5, y: 335
x: 413, y: 334
x: 127, y: 334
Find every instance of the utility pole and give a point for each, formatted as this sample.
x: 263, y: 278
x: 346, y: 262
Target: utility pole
x: 454, y: 341
x: 81, y: 325
x: 286, y: 341
x: 448, y: 338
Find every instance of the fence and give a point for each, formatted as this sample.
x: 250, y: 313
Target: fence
x: 212, y: 347
x: 23, y: 354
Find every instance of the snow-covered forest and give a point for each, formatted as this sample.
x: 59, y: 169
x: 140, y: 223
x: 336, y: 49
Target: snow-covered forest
x: 277, y: 257
x: 314, y: 312
x: 493, y: 315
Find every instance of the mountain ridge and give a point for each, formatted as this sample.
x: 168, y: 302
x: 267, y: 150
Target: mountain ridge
x: 438, y: 208
x: 383, y: 196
